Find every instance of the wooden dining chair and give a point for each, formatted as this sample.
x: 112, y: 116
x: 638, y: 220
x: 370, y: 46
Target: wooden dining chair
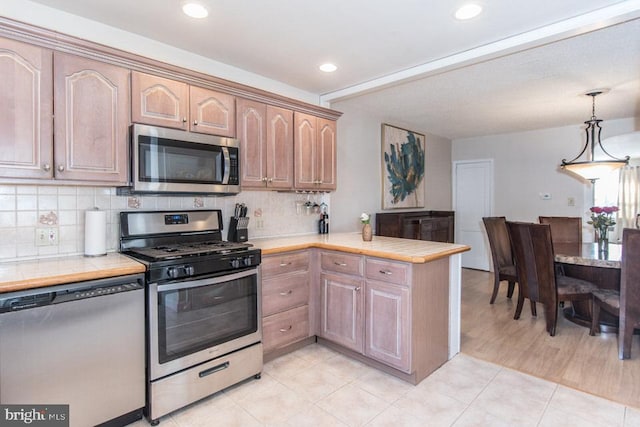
x: 624, y: 303
x: 504, y: 269
x: 564, y: 229
x: 537, y: 278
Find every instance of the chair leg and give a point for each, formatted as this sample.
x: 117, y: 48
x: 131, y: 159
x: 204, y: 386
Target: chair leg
x: 625, y: 335
x: 551, y: 317
x: 595, y: 317
x: 496, y: 286
x: 510, y: 289
x: 534, y: 312
x: 516, y: 316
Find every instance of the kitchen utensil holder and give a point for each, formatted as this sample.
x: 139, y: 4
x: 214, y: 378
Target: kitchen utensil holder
x: 238, y: 229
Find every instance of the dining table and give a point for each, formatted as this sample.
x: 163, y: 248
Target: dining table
x: 590, y: 262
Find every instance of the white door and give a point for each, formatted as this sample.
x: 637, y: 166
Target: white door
x: 472, y: 200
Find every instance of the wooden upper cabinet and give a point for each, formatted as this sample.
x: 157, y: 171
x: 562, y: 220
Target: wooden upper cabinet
x: 159, y: 101
x: 26, y: 103
x: 92, y: 102
x: 164, y: 102
x: 212, y: 112
x: 266, y: 145
x: 315, y: 153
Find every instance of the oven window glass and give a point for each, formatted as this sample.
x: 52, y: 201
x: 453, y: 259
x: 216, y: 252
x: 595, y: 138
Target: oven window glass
x: 168, y: 160
x: 190, y: 320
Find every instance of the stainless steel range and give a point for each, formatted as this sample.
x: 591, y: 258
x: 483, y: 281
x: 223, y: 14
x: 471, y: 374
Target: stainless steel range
x: 203, y: 305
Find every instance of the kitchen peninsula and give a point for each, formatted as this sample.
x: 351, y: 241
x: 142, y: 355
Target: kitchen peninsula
x: 392, y: 303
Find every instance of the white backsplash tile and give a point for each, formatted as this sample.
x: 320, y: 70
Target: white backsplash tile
x: 22, y: 205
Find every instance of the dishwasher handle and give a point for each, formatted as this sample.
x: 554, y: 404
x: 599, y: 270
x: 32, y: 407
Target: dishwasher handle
x: 32, y: 298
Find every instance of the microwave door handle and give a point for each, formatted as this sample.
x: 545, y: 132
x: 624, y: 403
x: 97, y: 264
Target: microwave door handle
x: 227, y: 165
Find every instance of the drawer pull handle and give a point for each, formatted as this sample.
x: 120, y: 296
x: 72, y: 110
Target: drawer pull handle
x: 213, y: 370
x: 284, y: 264
x: 284, y: 294
x: 286, y: 329
x: 340, y: 264
x: 387, y: 272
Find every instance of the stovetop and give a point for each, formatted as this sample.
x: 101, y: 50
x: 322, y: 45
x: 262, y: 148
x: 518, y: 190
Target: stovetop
x: 184, y: 250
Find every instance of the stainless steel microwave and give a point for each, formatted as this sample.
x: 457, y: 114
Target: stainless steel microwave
x: 176, y: 161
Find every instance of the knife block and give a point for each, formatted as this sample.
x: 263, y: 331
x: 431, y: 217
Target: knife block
x: 238, y: 229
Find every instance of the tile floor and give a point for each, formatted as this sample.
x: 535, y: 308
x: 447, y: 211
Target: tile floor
x: 316, y: 386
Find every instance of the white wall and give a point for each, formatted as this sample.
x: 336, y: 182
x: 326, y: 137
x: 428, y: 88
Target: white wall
x: 360, y: 171
x: 527, y: 164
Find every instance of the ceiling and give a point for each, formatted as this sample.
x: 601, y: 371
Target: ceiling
x: 515, y: 67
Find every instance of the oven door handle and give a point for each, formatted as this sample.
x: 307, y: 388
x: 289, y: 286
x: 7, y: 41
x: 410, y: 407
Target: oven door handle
x: 190, y: 283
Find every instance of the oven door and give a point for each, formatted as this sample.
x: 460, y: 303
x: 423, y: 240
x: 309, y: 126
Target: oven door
x: 193, y: 321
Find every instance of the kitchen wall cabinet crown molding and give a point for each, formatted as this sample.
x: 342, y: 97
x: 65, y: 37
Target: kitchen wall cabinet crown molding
x: 56, y: 41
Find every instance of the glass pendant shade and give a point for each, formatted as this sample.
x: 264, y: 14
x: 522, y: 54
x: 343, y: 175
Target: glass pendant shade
x: 590, y: 168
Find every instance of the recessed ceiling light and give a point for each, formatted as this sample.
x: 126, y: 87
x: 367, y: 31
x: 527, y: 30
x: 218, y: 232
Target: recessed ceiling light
x: 195, y: 10
x: 328, y: 68
x: 468, y: 11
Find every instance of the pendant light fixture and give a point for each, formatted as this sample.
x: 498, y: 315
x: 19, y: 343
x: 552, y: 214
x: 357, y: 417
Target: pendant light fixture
x: 591, y: 168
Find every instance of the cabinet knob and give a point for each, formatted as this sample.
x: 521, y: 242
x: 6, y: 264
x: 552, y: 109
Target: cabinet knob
x: 270, y: 180
x: 286, y: 329
x: 60, y: 168
x: 264, y: 179
x: 46, y: 167
x: 195, y: 123
x: 357, y: 289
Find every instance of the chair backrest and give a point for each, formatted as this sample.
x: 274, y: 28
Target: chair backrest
x: 564, y: 229
x: 499, y: 241
x: 533, y: 254
x: 630, y: 277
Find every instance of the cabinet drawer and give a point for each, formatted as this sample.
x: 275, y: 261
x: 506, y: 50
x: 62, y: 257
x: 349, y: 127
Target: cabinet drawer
x: 284, y: 263
x: 341, y: 263
x: 282, y: 293
x: 285, y: 328
x: 387, y: 271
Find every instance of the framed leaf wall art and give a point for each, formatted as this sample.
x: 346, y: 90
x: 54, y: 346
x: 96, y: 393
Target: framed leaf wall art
x: 402, y: 168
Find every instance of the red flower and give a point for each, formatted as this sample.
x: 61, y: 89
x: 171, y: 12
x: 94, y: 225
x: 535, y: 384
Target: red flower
x: 596, y: 209
x: 610, y: 209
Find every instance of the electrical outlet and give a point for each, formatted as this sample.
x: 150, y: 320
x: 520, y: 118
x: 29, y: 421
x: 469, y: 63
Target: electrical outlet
x: 46, y: 236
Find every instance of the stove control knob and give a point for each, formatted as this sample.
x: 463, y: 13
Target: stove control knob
x: 235, y: 263
x: 247, y: 261
x: 189, y: 270
x: 172, y: 272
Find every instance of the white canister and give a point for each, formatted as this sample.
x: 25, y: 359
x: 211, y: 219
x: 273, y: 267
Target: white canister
x: 95, y: 232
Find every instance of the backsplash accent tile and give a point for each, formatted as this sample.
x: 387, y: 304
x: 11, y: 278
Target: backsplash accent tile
x: 23, y: 206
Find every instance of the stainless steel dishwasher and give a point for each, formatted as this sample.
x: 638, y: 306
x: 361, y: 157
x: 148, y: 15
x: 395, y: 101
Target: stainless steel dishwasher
x: 80, y: 344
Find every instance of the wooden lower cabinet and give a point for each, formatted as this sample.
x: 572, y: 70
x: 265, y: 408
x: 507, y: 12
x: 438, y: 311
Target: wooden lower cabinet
x: 285, y: 299
x: 394, y: 314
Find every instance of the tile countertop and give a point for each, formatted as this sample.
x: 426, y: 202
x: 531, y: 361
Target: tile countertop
x: 22, y: 275
x: 414, y: 251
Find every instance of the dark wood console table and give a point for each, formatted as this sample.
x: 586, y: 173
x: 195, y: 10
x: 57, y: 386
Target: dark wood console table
x: 436, y: 226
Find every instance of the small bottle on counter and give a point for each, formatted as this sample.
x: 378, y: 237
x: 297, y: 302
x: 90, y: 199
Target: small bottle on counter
x: 326, y: 223
x: 323, y: 223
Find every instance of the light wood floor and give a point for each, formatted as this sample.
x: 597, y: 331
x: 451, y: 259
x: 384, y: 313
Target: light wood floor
x: 571, y: 358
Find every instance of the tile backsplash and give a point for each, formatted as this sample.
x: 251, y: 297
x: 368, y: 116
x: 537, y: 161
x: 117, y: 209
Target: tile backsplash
x: 30, y: 213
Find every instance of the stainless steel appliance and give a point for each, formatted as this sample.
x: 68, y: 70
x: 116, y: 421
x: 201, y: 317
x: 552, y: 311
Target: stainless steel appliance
x: 176, y: 161
x: 80, y: 344
x: 203, y: 305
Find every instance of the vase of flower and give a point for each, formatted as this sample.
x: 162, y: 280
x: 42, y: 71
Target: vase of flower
x: 367, y: 232
x: 602, y: 219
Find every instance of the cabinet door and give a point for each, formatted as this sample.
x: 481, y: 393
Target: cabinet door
x: 388, y: 320
x: 279, y: 148
x: 305, y: 151
x: 91, y: 103
x: 159, y: 101
x: 326, y: 155
x: 341, y: 302
x: 212, y: 112
x: 26, y: 102
x: 251, y: 120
